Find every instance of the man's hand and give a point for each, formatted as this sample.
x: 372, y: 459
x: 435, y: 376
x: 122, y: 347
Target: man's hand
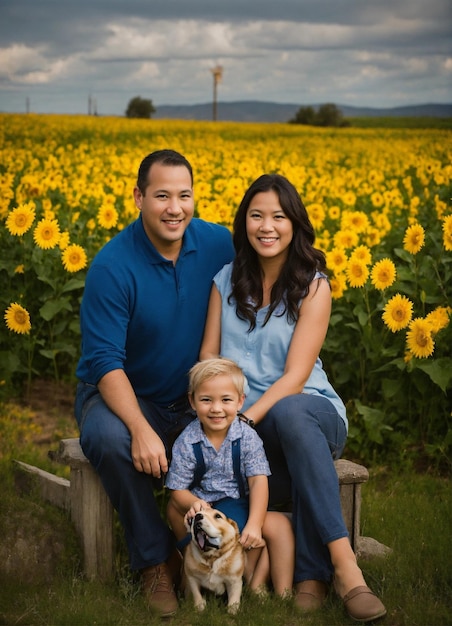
x: 148, y: 452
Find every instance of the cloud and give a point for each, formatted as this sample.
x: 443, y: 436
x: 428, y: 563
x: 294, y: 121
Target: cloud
x: 300, y: 51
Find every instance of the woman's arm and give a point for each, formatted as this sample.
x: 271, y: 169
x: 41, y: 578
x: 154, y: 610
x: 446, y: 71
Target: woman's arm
x: 211, y: 342
x: 309, y: 335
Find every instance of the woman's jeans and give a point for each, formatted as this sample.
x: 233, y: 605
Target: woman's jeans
x: 302, y: 435
x: 106, y: 442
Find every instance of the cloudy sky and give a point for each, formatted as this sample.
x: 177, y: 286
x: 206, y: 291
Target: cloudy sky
x: 55, y: 54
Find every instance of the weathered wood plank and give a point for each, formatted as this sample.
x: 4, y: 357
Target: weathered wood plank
x: 53, y: 489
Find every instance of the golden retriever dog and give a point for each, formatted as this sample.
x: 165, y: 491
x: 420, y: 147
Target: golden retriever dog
x: 214, y: 558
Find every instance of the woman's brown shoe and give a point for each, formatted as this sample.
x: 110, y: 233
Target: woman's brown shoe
x: 363, y: 605
x: 310, y: 595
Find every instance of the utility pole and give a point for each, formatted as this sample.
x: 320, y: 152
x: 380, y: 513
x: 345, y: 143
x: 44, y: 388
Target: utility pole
x: 217, y: 75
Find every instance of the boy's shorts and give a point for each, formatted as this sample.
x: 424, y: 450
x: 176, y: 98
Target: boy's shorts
x: 236, y: 509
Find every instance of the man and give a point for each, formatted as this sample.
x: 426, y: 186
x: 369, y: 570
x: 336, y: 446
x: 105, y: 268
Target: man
x: 142, y: 319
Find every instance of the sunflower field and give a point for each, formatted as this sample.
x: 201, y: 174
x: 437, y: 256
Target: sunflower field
x: 380, y: 202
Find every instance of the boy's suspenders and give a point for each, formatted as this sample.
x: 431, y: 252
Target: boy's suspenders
x: 200, y: 468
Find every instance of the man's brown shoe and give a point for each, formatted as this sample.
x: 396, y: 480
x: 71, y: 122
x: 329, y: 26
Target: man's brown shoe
x: 158, y: 591
x: 310, y: 595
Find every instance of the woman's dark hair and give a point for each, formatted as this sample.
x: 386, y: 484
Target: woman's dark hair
x: 166, y: 157
x: 298, y: 271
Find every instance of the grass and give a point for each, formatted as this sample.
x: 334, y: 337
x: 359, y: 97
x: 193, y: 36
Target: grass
x: 407, y: 511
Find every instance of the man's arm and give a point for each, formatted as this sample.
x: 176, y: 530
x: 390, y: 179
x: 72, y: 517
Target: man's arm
x: 147, y: 449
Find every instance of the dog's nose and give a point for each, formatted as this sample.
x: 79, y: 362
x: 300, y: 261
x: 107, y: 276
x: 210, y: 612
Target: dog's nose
x: 198, y: 517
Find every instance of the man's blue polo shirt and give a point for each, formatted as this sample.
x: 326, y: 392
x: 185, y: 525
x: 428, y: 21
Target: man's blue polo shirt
x: 145, y: 315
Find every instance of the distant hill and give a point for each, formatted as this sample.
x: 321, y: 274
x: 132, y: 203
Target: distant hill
x: 256, y: 111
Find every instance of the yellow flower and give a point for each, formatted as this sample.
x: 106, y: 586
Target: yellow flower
x: 349, y: 198
x: 447, y: 233
x: 74, y: 258
x: 377, y: 199
x: 21, y: 218
x: 17, y: 319
x: 334, y: 212
x: 345, y: 239
x: 373, y: 237
x: 419, y: 338
x: 338, y: 286
x: 397, y: 312
x: 357, y: 273
x: 363, y: 254
x: 316, y: 214
x: 383, y: 274
x: 414, y: 238
x: 64, y: 240
x: 438, y: 318
x: 47, y: 234
x: 107, y: 216
x: 354, y: 220
x: 336, y: 260
x: 20, y: 269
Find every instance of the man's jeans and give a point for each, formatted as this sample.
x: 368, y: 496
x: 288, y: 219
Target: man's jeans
x: 106, y: 442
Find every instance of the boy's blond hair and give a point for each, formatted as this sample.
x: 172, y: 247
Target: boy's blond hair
x: 205, y: 370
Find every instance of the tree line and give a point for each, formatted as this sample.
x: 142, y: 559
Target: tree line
x: 326, y: 115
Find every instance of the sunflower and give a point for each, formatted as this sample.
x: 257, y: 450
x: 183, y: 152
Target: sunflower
x: 334, y: 212
x: 74, y: 258
x: 447, y: 233
x: 336, y: 260
x: 21, y: 218
x: 377, y: 199
x: 357, y: 273
x: 47, y: 234
x: 397, y: 312
x: 338, y: 285
x: 363, y: 254
x: 419, y: 338
x: 64, y: 240
x: 414, y: 238
x: 17, y: 319
x: 316, y: 214
x: 383, y: 274
x: 438, y: 318
x: 354, y: 220
x: 345, y: 239
x: 107, y: 216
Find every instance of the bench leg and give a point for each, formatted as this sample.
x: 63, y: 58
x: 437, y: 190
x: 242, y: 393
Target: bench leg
x: 92, y: 514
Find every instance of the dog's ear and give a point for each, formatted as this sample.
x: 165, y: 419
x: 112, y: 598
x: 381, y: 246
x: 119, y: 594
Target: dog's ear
x: 233, y: 523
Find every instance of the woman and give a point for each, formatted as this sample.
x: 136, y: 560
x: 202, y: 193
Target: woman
x: 269, y: 311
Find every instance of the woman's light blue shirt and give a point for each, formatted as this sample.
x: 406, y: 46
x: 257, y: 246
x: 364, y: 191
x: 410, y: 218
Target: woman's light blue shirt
x: 262, y: 352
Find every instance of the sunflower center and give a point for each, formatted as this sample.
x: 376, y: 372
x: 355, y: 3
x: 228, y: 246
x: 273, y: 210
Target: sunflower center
x: 20, y: 317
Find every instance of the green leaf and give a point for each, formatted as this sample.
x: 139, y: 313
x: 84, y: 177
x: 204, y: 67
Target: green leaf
x: 73, y: 284
x: 53, y: 307
x: 439, y: 371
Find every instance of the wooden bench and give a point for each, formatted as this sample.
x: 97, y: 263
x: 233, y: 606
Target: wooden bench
x: 92, y: 513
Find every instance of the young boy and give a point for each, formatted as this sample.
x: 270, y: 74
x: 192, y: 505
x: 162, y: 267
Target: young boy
x: 216, y: 393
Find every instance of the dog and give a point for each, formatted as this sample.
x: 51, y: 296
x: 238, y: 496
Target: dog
x: 214, y: 558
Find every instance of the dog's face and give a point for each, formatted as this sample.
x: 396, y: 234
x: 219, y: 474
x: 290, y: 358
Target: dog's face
x: 212, y: 530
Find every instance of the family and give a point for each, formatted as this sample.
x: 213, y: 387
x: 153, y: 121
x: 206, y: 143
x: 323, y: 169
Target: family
x: 188, y: 337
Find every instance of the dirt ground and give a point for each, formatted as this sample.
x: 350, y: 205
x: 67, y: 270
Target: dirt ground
x: 52, y: 404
